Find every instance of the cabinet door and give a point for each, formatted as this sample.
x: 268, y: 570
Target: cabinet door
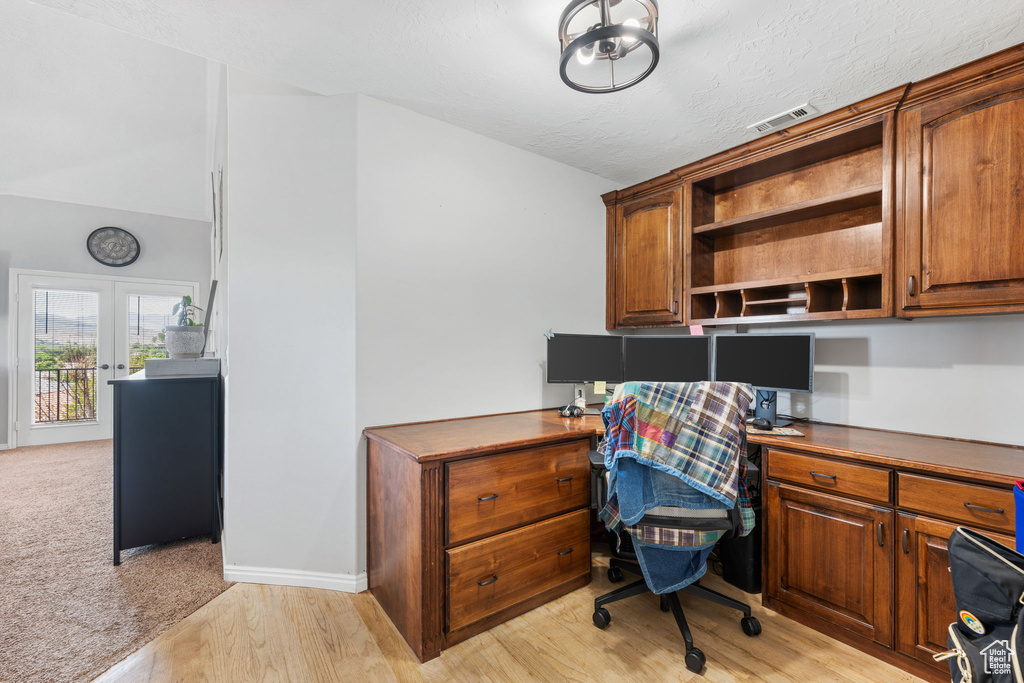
x: 832, y: 558
x: 647, y: 262
x: 962, y: 171
x: 924, y: 596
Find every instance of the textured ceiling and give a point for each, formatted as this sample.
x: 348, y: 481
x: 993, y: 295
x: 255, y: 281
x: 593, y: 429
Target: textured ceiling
x: 491, y: 65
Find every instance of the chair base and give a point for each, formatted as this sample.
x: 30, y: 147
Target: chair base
x: 695, y: 659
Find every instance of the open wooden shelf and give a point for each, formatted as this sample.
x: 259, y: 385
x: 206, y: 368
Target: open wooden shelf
x: 814, y: 208
x: 778, y: 282
x: 857, y: 294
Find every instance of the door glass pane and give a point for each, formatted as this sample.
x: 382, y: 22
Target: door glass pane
x: 148, y: 315
x: 65, y: 338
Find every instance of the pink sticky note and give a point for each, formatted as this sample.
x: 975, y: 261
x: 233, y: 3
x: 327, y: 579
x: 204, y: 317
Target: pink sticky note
x: 697, y: 329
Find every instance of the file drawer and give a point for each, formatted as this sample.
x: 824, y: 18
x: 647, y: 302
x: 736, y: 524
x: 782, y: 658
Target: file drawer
x: 487, y: 576
x: 489, y: 494
x: 846, y: 478
x: 970, y: 504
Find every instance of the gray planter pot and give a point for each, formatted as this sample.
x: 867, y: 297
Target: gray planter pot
x: 185, y: 341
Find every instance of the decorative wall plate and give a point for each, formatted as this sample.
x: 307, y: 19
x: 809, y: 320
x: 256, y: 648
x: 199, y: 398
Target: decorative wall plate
x: 113, y: 246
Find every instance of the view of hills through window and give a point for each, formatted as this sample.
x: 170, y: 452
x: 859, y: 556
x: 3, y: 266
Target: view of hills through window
x: 66, y: 334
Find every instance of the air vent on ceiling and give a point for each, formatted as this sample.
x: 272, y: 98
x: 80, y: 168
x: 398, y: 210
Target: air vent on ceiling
x: 784, y: 119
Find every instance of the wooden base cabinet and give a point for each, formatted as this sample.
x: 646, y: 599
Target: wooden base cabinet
x: 832, y: 558
x: 472, y: 522
x: 855, y: 538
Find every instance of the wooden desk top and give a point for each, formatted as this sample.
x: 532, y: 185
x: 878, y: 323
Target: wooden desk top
x: 427, y: 441
x: 936, y: 455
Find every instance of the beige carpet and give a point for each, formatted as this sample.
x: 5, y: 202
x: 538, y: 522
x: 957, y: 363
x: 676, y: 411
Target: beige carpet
x: 66, y: 613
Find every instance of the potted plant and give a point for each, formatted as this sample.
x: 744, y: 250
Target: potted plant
x: 187, y: 338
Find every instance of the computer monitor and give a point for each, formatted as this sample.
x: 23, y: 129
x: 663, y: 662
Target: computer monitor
x: 582, y: 358
x: 678, y: 358
x: 771, y: 362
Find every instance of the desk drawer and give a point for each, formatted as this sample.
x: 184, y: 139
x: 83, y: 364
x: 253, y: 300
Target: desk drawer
x: 489, y: 494
x: 487, y: 576
x: 970, y: 504
x: 844, y: 478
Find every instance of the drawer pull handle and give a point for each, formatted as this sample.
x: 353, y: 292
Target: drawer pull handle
x: 483, y: 499
x: 881, y: 534
x: 563, y: 479
x: 823, y: 476
x: 488, y: 582
x: 982, y: 508
x: 906, y: 541
x: 565, y: 552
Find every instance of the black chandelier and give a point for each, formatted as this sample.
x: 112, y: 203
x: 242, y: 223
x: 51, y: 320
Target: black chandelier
x: 608, y: 45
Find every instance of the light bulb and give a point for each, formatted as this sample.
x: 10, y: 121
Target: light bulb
x: 585, y: 55
x: 629, y: 40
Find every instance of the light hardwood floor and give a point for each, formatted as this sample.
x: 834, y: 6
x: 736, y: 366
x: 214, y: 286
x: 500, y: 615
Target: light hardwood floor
x: 269, y: 633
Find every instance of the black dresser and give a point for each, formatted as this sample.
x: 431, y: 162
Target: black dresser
x: 167, y: 460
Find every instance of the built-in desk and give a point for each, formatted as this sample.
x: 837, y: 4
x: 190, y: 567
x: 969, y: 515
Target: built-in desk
x: 477, y: 520
x: 855, y: 529
x: 474, y: 521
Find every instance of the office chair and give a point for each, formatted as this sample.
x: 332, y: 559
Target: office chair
x: 625, y: 559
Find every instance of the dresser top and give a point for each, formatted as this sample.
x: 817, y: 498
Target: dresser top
x: 426, y: 441
x: 933, y: 454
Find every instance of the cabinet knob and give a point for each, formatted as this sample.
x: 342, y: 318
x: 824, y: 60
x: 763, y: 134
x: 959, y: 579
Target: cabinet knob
x: 910, y: 286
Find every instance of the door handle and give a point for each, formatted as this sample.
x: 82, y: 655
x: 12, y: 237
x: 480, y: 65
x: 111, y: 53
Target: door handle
x: 120, y: 366
x: 906, y: 541
x: 488, y: 582
x: 881, y: 534
x: 104, y: 367
x: 565, y: 552
x: 910, y: 286
x: 823, y: 476
x: 563, y: 479
x: 486, y: 498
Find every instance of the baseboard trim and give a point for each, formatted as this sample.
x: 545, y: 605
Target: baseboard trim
x: 4, y: 446
x: 346, y: 583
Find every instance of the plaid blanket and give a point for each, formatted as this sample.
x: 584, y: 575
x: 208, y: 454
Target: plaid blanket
x: 692, y: 431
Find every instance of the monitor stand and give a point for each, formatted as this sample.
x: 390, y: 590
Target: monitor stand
x: 765, y: 404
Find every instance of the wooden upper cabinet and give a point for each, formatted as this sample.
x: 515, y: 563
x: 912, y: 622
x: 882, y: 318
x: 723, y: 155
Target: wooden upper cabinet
x: 961, y: 172
x: 645, y: 274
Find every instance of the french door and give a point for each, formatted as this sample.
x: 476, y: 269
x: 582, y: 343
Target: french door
x: 74, y: 334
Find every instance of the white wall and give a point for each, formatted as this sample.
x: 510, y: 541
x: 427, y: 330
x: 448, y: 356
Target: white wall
x: 469, y: 249
x: 45, y: 235
x: 960, y: 377
x: 290, y: 482
x: 95, y: 116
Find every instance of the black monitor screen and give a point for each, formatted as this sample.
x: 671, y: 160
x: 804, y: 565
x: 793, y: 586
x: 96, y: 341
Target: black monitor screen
x: 780, y: 362
x: 667, y: 359
x: 583, y: 358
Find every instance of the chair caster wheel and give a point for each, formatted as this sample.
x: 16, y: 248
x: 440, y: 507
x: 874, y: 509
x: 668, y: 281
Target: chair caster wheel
x: 751, y: 626
x: 664, y: 604
x: 614, y: 574
x: 695, y: 660
x: 602, y: 618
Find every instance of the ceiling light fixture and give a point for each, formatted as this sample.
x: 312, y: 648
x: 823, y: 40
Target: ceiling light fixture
x: 608, y: 45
